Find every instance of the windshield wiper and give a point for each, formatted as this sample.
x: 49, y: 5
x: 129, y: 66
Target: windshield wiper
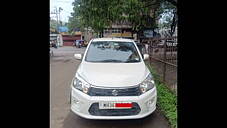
x: 129, y: 61
x: 111, y: 60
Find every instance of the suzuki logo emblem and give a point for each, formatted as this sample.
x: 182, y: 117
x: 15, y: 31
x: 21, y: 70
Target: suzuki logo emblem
x: 115, y: 92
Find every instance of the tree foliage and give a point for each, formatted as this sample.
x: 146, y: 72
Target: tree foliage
x: 99, y: 14
x: 53, y: 24
x: 168, y: 16
x: 74, y: 20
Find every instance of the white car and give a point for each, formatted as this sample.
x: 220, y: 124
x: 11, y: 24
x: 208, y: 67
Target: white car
x: 113, y: 82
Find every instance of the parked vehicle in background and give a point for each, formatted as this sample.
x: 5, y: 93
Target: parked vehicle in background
x: 54, y: 44
x: 77, y: 44
x: 80, y: 43
x: 169, y: 44
x: 57, y: 38
x: 85, y: 43
x: 113, y: 81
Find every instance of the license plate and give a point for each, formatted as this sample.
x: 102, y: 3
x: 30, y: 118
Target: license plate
x: 115, y: 105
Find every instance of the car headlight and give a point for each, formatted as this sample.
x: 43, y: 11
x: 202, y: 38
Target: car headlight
x: 81, y: 84
x: 147, y: 84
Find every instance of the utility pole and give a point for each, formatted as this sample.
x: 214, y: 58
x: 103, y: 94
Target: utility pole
x: 57, y: 12
x: 60, y: 9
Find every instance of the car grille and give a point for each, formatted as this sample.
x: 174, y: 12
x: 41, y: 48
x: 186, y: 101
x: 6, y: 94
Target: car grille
x: 133, y: 91
x: 94, y: 110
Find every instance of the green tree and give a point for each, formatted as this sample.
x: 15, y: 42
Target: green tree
x: 99, y: 14
x: 75, y: 20
x: 168, y: 15
x: 53, y: 24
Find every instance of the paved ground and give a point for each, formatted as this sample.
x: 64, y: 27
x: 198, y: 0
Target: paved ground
x: 62, y: 69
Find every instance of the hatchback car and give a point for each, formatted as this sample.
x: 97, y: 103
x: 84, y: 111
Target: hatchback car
x: 112, y: 81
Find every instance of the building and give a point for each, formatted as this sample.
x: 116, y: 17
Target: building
x: 62, y: 29
x: 165, y: 32
x: 68, y: 40
x: 123, y: 30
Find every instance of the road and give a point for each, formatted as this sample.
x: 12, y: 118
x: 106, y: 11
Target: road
x: 62, y: 69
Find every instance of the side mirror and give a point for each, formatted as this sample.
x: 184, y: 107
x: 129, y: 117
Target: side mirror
x: 78, y: 56
x: 145, y: 56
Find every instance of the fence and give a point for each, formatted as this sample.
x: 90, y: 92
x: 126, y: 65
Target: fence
x: 163, y: 59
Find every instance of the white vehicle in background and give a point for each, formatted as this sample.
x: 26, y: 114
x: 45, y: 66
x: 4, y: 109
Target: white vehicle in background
x: 58, y: 38
x: 113, y: 82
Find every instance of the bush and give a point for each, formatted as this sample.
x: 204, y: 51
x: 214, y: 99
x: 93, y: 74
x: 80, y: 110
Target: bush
x: 167, y: 102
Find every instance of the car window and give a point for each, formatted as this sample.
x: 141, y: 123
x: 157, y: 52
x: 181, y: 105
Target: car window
x: 111, y: 51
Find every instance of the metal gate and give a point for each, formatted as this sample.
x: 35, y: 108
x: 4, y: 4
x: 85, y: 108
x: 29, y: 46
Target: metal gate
x: 163, y: 58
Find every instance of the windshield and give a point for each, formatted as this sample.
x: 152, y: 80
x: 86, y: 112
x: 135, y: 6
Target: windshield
x: 112, y: 51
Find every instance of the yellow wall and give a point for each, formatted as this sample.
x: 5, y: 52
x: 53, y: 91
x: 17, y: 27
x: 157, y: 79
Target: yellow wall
x: 77, y: 33
x: 128, y: 34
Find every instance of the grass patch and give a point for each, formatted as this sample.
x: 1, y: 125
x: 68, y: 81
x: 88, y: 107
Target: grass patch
x: 167, y: 100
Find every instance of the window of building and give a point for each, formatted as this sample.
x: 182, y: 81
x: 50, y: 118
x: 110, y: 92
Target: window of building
x: 116, y: 30
x: 106, y: 31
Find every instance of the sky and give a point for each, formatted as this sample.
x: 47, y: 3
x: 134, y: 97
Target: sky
x: 66, y: 5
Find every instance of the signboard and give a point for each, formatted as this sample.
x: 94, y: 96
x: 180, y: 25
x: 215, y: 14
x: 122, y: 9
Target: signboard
x: 148, y: 33
x: 77, y: 33
x: 52, y: 30
x: 116, y: 35
x: 127, y: 34
x: 62, y: 29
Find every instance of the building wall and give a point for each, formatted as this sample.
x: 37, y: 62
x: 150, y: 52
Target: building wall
x: 118, y: 29
x: 164, y: 32
x: 68, y: 40
x: 68, y: 43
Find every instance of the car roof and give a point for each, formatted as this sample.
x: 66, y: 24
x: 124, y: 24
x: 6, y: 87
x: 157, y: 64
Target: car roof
x: 113, y: 39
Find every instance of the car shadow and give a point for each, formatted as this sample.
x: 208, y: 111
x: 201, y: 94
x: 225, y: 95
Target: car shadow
x: 74, y: 121
x: 151, y: 121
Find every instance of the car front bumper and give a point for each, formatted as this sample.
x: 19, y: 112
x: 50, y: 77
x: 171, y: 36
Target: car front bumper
x: 81, y: 102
